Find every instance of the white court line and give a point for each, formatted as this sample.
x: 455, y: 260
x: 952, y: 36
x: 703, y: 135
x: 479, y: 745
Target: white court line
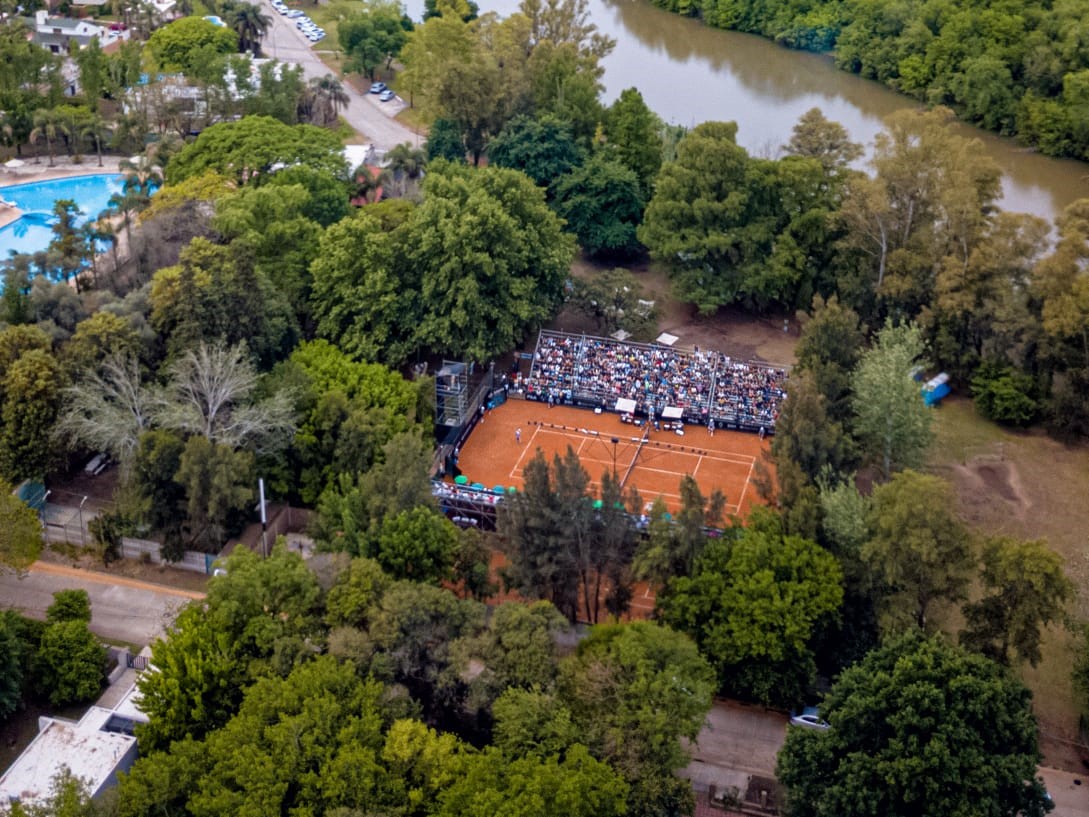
x: 744, y: 489
x: 525, y: 449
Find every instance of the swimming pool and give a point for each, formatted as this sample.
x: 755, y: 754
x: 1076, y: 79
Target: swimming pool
x: 32, y: 233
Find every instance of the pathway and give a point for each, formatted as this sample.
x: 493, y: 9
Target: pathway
x: 365, y: 113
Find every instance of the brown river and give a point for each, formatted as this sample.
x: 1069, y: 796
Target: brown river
x: 690, y: 73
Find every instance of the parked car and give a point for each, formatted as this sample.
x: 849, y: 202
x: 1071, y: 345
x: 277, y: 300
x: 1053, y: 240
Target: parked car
x: 809, y: 718
x: 387, y: 95
x: 378, y: 87
x: 97, y: 464
x: 294, y: 14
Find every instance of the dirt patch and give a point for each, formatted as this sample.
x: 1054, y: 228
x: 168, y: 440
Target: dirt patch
x: 1026, y: 485
x: 984, y: 485
x: 730, y: 330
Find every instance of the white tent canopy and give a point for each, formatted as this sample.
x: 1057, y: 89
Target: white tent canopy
x: 672, y: 412
x: 625, y: 405
x: 667, y: 339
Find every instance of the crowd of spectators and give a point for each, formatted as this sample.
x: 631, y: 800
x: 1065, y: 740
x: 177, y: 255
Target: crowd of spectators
x: 705, y: 385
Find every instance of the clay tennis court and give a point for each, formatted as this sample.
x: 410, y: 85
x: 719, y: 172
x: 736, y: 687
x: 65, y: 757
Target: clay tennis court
x: 725, y: 461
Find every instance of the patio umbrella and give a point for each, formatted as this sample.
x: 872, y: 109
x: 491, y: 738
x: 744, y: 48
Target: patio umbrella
x: 477, y: 486
x: 14, y: 163
x: 461, y: 479
x: 498, y: 489
x: 597, y: 504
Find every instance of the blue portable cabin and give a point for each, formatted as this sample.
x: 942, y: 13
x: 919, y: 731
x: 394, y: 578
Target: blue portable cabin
x: 936, y: 389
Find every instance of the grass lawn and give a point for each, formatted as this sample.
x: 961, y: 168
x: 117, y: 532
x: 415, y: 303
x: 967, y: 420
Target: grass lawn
x: 1027, y: 485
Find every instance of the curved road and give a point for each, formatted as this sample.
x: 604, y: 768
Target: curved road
x: 122, y: 609
x: 365, y: 113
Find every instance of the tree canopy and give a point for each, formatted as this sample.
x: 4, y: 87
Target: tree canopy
x: 918, y: 728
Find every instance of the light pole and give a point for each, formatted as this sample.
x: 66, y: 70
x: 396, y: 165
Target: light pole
x: 616, y: 441
x: 82, y: 541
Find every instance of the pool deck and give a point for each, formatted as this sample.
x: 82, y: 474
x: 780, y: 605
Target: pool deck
x: 63, y: 168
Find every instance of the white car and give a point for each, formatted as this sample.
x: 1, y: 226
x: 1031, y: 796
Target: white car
x: 809, y: 719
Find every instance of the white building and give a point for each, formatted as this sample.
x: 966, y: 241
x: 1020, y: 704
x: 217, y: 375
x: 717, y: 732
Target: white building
x: 95, y: 749
x: 59, y: 34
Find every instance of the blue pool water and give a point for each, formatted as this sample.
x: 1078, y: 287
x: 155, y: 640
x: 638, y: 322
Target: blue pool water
x: 32, y: 232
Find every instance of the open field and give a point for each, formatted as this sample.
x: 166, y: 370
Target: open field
x: 1027, y: 485
x: 723, y: 461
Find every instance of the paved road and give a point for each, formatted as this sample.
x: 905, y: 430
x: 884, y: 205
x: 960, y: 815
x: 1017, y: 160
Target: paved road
x: 365, y: 113
x: 122, y: 609
x: 740, y: 740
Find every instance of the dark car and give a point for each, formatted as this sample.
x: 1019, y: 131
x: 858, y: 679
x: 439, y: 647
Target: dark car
x: 378, y: 87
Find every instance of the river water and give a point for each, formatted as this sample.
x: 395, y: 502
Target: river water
x: 690, y: 73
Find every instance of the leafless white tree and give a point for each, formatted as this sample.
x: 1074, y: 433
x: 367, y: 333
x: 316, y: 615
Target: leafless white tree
x: 210, y: 392
x: 108, y: 411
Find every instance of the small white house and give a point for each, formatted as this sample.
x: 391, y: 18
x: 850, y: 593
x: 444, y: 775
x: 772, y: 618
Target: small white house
x: 95, y: 748
x: 59, y: 34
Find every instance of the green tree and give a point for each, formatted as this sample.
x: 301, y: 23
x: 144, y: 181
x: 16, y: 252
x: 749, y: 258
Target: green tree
x: 816, y: 137
x: 577, y: 785
x: 219, y: 486
x: 892, y: 424
x: 418, y: 545
x: 634, y: 690
x: 1026, y: 589
x: 372, y: 37
x: 257, y: 620
x: 185, y: 43
x: 12, y: 660
x: 351, y: 512
x: 482, y: 288
x: 20, y: 531
x: 543, y: 148
x: 156, y: 461
x: 70, y: 664
x: 830, y: 344
x: 918, y: 728
x: 444, y: 141
x: 632, y: 131
x: 69, y: 605
x: 31, y: 387
x: 614, y: 299
x: 918, y: 547
x: 516, y: 650
x: 755, y: 602
x: 358, y: 298
x: 249, y: 149
x: 673, y: 545
x: 413, y: 628
x: 271, y: 224
x: 602, y: 203
x: 1002, y: 394
x: 731, y: 227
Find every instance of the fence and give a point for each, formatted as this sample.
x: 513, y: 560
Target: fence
x: 152, y: 551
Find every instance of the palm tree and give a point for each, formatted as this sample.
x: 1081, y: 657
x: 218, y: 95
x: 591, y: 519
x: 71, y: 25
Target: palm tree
x: 95, y: 129
x: 406, y: 165
x: 248, y: 22
x: 45, y: 127
x: 369, y: 183
x: 142, y: 177
x: 322, y: 100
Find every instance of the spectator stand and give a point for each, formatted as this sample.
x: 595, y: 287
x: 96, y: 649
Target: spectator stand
x: 654, y: 381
